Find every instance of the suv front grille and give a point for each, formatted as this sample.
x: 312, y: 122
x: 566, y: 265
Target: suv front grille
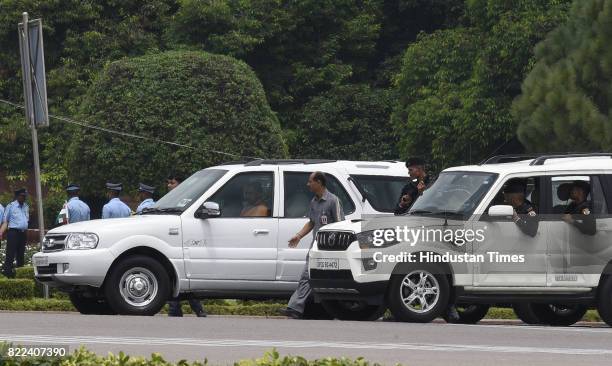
x: 47, y: 270
x: 334, y: 240
x: 54, y: 242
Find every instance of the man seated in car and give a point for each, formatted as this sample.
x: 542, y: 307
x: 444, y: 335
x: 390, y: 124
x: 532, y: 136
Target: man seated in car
x: 255, y: 205
x: 525, y: 215
x: 578, y: 212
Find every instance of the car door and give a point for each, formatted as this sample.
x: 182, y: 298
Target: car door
x: 503, y: 240
x: 296, y: 201
x: 240, y: 244
x: 577, y: 258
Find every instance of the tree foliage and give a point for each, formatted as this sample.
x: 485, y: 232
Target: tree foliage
x: 209, y: 102
x: 566, y: 99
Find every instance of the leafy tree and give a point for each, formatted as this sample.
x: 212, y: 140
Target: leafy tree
x: 345, y: 123
x: 209, y: 102
x: 566, y: 99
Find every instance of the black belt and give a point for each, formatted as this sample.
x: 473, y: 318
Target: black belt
x: 18, y: 230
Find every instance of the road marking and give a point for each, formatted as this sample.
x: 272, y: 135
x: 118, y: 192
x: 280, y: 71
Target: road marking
x: 154, y: 341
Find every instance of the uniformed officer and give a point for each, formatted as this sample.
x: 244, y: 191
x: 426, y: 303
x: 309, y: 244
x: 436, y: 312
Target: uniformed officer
x: 578, y: 212
x: 16, y: 217
x: 77, y: 210
x: 324, y: 209
x: 145, y: 193
x: 1, y: 213
x: 419, y: 182
x: 525, y: 215
x: 115, y: 207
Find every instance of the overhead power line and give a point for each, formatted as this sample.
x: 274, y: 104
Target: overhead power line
x: 131, y: 135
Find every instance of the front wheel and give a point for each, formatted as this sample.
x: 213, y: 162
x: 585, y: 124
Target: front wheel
x: 353, y: 310
x: 420, y: 295
x: 90, y: 305
x: 550, y: 314
x: 138, y: 285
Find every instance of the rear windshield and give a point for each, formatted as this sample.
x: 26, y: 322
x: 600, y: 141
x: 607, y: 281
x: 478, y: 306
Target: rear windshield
x: 382, y: 191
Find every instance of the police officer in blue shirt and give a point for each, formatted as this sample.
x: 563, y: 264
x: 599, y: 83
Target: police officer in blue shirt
x: 77, y: 209
x: 16, y: 217
x: 115, y: 207
x: 1, y: 213
x: 145, y: 193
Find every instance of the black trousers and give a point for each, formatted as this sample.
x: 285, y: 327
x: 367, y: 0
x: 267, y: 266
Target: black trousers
x: 15, y: 250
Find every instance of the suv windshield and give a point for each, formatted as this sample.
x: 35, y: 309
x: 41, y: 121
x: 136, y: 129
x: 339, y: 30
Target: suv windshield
x: 183, y: 196
x: 383, y: 192
x: 455, y: 193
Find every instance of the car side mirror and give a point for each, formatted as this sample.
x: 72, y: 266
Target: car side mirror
x: 208, y: 210
x: 501, y: 210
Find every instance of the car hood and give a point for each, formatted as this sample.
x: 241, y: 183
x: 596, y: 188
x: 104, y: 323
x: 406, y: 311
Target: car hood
x: 133, y: 225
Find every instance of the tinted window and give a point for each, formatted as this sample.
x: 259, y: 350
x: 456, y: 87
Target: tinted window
x: 382, y: 192
x: 561, y: 186
x: 246, y: 195
x: 298, y: 197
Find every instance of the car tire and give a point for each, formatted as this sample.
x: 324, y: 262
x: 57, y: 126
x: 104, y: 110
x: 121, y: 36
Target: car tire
x: 316, y: 311
x: 353, y: 310
x: 89, y: 305
x: 469, y: 313
x: 416, y: 284
x: 604, y: 301
x: 526, y: 313
x: 550, y: 314
x: 137, y: 285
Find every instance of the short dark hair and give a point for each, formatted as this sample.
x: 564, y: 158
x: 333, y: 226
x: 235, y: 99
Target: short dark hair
x: 176, y: 176
x: 320, y: 177
x: 415, y: 160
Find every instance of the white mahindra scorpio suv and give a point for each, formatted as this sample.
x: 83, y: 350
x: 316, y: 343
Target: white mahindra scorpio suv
x: 200, y: 240
x: 361, y: 267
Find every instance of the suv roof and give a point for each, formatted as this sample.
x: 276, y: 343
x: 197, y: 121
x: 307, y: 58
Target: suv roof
x: 384, y: 167
x: 507, y: 164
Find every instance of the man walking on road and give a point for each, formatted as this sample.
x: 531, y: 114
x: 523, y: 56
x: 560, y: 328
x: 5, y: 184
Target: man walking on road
x: 174, y: 305
x: 16, y: 217
x: 324, y: 209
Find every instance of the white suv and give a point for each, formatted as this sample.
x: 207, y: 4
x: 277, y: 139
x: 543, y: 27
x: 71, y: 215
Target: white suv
x: 203, y: 240
x: 360, y: 268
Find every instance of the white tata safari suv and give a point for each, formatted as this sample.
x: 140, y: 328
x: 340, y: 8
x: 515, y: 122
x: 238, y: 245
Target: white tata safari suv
x: 222, y: 233
x: 462, y: 243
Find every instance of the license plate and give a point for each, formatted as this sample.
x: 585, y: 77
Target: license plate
x: 327, y: 263
x: 41, y: 261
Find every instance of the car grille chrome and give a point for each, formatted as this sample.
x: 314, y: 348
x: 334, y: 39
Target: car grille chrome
x: 334, y: 240
x: 54, y: 242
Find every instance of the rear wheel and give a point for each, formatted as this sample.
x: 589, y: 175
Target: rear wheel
x: 138, y: 285
x: 353, y: 310
x: 90, y: 305
x: 316, y: 311
x: 469, y: 314
x: 604, y: 301
x: 420, y: 295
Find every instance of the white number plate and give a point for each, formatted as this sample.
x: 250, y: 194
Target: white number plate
x: 325, y: 263
x: 41, y: 261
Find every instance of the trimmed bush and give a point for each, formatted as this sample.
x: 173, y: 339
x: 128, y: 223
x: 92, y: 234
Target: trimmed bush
x: 18, y: 288
x: 198, y: 99
x: 24, y: 272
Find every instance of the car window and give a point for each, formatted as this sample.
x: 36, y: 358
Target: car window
x: 381, y: 191
x: 246, y: 195
x: 532, y: 193
x: 298, y: 197
x: 560, y: 192
x: 190, y: 190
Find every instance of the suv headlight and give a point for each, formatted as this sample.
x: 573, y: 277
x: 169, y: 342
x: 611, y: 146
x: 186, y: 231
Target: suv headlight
x: 379, y: 238
x: 82, y: 241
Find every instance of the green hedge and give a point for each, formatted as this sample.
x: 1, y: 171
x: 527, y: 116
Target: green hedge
x: 84, y: 357
x: 24, y: 272
x: 16, y: 288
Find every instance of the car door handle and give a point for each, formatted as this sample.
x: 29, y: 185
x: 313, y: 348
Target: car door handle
x: 261, y: 231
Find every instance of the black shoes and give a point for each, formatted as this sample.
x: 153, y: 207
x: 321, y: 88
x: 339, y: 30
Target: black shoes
x: 290, y: 313
x: 201, y: 313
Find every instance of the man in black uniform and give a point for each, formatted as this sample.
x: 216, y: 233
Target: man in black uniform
x: 578, y: 212
x: 419, y: 182
x: 525, y: 215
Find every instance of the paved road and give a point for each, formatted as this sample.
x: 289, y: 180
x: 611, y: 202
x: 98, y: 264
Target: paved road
x: 226, y: 339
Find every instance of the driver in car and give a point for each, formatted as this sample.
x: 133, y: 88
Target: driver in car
x: 255, y: 205
x: 525, y: 215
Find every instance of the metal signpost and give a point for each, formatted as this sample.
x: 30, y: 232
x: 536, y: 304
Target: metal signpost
x: 35, y: 96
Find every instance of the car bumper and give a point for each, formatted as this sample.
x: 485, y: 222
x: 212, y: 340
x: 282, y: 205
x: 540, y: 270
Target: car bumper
x: 69, y: 268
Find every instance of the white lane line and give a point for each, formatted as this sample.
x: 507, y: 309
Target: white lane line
x: 153, y: 341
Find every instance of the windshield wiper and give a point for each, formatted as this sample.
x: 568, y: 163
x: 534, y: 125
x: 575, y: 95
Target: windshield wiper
x: 161, y: 210
x: 420, y: 212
